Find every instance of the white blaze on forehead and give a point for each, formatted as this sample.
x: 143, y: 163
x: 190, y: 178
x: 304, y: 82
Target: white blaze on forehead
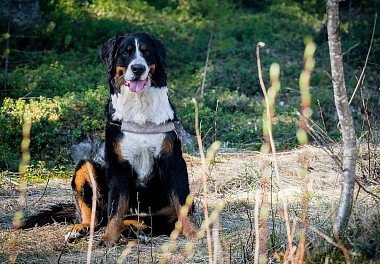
x: 139, y: 59
x: 139, y: 56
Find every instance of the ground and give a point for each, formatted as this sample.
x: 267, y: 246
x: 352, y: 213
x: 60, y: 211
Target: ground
x: 232, y: 181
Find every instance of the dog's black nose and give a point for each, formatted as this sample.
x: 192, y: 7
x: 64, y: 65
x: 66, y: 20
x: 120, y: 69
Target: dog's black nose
x: 138, y: 69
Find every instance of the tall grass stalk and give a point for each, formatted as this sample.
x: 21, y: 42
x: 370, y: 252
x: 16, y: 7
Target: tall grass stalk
x: 25, y: 159
x: 213, y: 240
x: 93, y: 211
x: 268, y: 146
x: 204, y: 180
x: 304, y: 83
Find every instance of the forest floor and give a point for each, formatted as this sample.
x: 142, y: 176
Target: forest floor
x: 233, y: 179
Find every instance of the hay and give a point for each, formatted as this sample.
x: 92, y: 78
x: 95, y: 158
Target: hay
x: 232, y: 180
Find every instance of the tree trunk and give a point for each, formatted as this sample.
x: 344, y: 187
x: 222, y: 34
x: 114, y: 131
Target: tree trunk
x: 345, y: 119
x: 21, y: 12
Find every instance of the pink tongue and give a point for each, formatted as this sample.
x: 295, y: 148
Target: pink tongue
x: 136, y: 86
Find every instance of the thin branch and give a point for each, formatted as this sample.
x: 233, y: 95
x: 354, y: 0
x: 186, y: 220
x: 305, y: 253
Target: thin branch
x: 267, y: 105
x: 93, y: 212
x: 25, y: 159
x: 366, y: 60
x: 288, y: 232
x: 347, y: 51
x: 201, y: 89
x: 329, y: 240
x: 204, y: 179
x: 257, y: 231
x: 367, y: 191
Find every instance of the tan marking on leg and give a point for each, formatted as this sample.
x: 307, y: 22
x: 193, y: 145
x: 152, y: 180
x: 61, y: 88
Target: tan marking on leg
x: 115, y: 224
x: 81, y: 177
x: 166, y: 146
x: 189, y: 229
x: 131, y: 223
x: 80, y: 228
x: 118, y: 151
x: 76, y: 232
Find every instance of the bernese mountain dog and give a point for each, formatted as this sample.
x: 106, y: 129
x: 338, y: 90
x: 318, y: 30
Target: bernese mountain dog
x: 143, y: 182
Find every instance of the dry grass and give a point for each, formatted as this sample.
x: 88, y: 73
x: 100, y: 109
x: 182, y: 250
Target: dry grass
x: 233, y: 180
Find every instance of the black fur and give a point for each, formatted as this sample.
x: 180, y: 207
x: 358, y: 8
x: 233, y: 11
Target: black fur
x: 169, y: 180
x: 166, y: 189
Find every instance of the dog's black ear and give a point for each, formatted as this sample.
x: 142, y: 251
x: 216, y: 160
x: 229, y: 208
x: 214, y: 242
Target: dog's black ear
x: 109, y: 50
x: 159, y: 77
x: 161, y: 52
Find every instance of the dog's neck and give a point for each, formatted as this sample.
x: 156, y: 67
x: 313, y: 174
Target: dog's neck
x: 151, y: 105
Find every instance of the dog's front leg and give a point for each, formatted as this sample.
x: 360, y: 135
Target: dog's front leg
x: 174, y: 166
x: 118, y: 203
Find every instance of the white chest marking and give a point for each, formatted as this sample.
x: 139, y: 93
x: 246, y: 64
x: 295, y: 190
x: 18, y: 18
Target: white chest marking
x: 151, y: 104
x: 140, y: 149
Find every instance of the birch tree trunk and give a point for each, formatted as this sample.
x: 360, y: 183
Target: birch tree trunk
x: 345, y: 118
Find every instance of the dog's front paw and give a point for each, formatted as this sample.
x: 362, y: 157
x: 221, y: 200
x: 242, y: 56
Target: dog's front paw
x: 76, y: 232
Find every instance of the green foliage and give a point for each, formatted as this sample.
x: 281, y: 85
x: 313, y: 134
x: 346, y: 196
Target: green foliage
x: 59, y: 80
x: 57, y: 123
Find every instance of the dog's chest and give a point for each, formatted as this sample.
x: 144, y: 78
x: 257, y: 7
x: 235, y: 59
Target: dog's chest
x: 140, y: 150
x: 151, y: 105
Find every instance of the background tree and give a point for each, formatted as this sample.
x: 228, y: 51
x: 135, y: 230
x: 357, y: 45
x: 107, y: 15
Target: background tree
x: 21, y: 12
x: 345, y: 118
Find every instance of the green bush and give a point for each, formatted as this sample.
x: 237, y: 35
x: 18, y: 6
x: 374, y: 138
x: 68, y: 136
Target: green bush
x: 57, y: 123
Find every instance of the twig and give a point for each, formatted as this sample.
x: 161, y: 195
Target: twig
x: 257, y: 231
x: 329, y: 240
x: 304, y: 83
x: 267, y: 105
x: 367, y: 191
x: 366, y: 60
x: 269, y: 98
x: 351, y: 48
x: 206, y: 65
x: 25, y: 158
x: 215, y: 236
x: 288, y: 234
x: 44, y: 191
x: 93, y: 212
x: 204, y: 179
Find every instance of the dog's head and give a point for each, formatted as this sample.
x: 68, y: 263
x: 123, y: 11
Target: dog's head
x: 134, y: 60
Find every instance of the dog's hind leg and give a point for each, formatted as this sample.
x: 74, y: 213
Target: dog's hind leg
x: 82, y: 187
x: 118, y: 204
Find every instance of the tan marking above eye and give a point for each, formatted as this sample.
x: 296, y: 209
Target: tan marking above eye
x: 129, y: 48
x: 143, y: 47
